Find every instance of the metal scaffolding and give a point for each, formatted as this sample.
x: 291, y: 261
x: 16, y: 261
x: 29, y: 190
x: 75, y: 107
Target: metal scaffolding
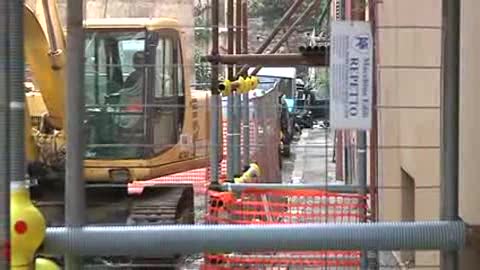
x: 75, y: 205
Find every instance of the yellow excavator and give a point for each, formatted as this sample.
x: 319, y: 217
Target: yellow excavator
x: 142, y: 119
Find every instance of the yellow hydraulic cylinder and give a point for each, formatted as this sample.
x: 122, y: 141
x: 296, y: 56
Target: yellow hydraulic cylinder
x: 252, y: 172
x: 27, y: 229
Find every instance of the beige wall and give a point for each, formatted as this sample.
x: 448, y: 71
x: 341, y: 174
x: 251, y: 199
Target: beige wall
x: 409, y: 76
x: 469, y: 113
x: 469, y: 185
x: 409, y: 59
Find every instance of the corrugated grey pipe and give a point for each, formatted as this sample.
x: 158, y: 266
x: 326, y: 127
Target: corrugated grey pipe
x: 16, y: 69
x: 272, y: 186
x: 153, y: 241
x: 4, y: 129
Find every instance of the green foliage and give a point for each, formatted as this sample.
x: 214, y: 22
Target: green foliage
x: 322, y: 83
x: 202, y: 38
x: 202, y: 69
x: 202, y: 31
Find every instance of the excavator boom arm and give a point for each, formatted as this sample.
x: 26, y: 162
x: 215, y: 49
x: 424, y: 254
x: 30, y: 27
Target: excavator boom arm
x: 44, y: 44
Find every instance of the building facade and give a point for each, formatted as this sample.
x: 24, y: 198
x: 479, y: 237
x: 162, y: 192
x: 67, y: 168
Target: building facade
x: 409, y: 118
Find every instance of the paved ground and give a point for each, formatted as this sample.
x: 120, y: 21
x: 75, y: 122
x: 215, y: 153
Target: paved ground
x: 311, y: 160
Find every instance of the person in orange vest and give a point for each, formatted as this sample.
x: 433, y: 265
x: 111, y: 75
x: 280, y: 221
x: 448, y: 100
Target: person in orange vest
x: 132, y: 94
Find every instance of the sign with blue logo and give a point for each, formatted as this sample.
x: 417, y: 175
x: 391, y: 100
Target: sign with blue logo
x: 351, y: 63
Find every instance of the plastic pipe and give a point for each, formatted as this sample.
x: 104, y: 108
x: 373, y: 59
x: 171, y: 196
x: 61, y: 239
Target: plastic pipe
x: 167, y: 240
x: 261, y: 186
x: 450, y: 121
x: 4, y: 130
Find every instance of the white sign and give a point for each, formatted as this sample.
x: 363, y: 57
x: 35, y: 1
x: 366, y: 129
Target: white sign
x: 351, y: 57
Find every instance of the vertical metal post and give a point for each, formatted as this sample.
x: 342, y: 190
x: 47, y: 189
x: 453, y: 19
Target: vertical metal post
x: 75, y: 206
x: 16, y: 69
x: 237, y: 121
x: 230, y: 98
x: 4, y: 128
x: 245, y: 99
x: 237, y: 109
x: 373, y: 258
x: 362, y: 182
x: 215, y: 101
x: 238, y: 30
x: 358, y: 14
x: 450, y: 121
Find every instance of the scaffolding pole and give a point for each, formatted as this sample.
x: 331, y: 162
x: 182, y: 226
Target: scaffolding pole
x: 75, y: 205
x: 236, y: 133
x: 237, y: 102
x: 373, y: 140
x: 358, y: 14
x: 167, y: 240
x: 4, y: 128
x: 215, y: 102
x: 230, y: 98
x: 245, y: 97
x: 273, y: 60
x: 450, y: 121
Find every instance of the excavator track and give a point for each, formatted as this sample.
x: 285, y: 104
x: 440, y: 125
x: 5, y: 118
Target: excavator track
x: 168, y: 206
x: 161, y: 205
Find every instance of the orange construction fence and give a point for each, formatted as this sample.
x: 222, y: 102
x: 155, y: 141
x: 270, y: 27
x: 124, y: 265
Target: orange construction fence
x: 263, y: 206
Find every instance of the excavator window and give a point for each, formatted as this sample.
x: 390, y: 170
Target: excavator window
x: 134, y: 93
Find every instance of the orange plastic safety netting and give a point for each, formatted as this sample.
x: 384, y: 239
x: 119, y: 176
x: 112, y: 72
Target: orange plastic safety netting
x: 262, y: 206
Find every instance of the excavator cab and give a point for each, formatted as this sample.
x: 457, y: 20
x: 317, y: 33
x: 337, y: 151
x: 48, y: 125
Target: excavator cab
x: 137, y: 103
x: 134, y: 86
